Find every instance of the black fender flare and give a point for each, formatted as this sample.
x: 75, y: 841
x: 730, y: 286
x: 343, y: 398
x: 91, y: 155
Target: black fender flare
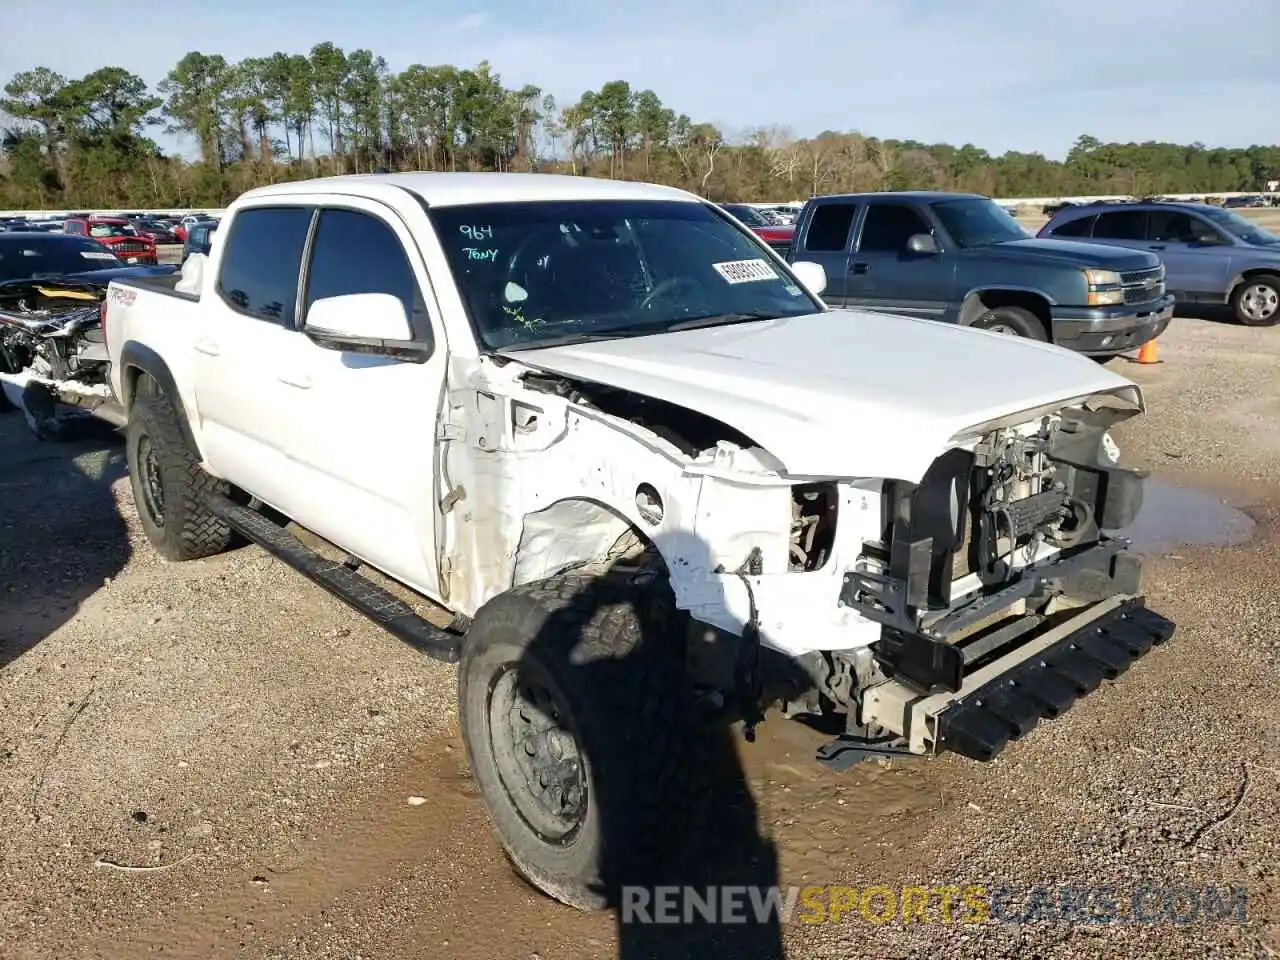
x: 139, y: 357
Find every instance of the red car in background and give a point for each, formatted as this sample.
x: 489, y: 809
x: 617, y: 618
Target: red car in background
x: 116, y: 234
x: 775, y: 235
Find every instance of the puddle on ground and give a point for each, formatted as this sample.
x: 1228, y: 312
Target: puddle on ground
x: 1172, y: 515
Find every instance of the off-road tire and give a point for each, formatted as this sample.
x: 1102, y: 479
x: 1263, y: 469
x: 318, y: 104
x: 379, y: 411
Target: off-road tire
x: 1017, y: 320
x: 189, y: 530
x: 1242, y: 316
x: 614, y: 653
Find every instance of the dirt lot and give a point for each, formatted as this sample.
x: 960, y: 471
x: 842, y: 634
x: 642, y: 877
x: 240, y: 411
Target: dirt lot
x: 216, y: 759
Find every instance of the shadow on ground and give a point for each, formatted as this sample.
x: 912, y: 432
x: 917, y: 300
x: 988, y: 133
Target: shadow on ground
x: 1213, y: 313
x: 60, y: 533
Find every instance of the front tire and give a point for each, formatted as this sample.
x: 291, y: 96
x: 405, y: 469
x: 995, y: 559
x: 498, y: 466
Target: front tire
x: 1013, y: 321
x: 169, y: 485
x: 578, y: 721
x: 1256, y: 301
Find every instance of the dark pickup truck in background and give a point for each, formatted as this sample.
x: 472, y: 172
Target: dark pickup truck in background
x: 961, y: 258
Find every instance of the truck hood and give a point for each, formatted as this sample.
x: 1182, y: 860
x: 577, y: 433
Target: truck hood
x: 1102, y: 256
x: 842, y: 393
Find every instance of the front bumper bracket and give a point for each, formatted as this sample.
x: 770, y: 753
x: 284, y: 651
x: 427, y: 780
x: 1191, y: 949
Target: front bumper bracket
x: 1047, y: 685
x: 1041, y: 678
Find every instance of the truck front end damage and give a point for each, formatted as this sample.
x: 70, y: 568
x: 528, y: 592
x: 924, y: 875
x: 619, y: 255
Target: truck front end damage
x: 53, y: 354
x: 1000, y: 595
x: 950, y: 611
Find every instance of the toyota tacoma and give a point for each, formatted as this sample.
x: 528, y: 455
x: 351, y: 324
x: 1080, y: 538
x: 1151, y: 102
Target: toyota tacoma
x: 646, y: 469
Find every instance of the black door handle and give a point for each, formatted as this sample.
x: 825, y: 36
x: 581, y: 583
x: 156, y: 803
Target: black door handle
x: 860, y: 268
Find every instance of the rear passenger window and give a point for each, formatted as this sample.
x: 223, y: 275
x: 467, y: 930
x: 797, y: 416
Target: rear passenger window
x: 1121, y: 225
x: 888, y: 227
x: 261, y: 261
x: 1173, y: 227
x: 358, y: 253
x: 1081, y: 227
x: 829, y: 227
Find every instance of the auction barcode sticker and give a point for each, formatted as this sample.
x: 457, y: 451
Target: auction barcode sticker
x: 745, y: 271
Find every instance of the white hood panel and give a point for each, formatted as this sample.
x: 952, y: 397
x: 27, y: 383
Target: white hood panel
x: 844, y: 393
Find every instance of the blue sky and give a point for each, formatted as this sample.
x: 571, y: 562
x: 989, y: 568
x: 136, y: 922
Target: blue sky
x: 1003, y: 74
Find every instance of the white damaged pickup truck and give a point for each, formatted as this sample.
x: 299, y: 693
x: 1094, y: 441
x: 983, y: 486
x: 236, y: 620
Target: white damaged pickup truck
x: 647, y: 471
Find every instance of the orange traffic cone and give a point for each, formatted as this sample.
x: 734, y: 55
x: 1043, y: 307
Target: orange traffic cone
x: 1147, y: 353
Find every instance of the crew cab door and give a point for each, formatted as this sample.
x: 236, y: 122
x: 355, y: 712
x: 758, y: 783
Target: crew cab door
x: 361, y: 427
x: 885, y: 275
x: 824, y: 238
x: 244, y: 324
x: 1197, y: 258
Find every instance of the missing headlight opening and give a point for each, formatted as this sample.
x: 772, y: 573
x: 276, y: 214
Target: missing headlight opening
x: 813, y: 525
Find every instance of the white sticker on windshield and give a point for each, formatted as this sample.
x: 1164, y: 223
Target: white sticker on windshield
x: 97, y: 255
x: 745, y: 271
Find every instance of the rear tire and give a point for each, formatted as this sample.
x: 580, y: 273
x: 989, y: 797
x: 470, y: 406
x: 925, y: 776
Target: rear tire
x: 1015, y: 321
x: 1256, y: 301
x: 169, y: 485
x: 608, y: 659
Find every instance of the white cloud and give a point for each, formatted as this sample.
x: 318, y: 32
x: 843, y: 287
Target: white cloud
x: 1004, y: 74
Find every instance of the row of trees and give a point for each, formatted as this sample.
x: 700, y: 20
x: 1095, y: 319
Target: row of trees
x: 88, y: 142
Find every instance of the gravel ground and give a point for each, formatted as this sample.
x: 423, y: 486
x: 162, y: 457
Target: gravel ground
x: 216, y: 759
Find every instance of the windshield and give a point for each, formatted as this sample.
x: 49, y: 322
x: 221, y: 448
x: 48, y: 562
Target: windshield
x: 534, y: 273
x: 974, y: 222
x: 748, y: 215
x: 24, y: 256
x: 1239, y: 226
x: 111, y: 230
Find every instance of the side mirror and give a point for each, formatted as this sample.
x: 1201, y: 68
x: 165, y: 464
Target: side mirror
x: 812, y: 275
x: 364, y: 323
x: 922, y: 243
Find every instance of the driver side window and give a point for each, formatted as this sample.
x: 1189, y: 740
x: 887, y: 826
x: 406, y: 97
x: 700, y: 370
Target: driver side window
x: 888, y: 227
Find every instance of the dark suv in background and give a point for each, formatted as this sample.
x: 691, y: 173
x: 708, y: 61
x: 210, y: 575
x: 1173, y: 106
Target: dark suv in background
x: 1211, y: 255
x: 961, y: 258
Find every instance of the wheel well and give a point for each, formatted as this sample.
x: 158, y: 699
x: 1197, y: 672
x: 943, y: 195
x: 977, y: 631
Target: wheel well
x: 137, y: 381
x: 576, y: 533
x: 1253, y: 274
x: 980, y: 301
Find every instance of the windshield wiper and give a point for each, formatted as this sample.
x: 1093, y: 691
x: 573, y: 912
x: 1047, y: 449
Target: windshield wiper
x: 719, y: 320
x: 569, y: 339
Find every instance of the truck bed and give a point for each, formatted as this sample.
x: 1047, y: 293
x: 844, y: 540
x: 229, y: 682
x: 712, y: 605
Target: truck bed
x: 148, y: 317
x: 163, y: 285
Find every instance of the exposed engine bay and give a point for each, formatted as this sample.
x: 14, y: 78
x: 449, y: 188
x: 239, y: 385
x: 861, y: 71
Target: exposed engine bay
x: 989, y: 547
x: 53, y: 353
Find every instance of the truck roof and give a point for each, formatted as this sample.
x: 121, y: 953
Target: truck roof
x: 904, y: 194
x: 457, y: 189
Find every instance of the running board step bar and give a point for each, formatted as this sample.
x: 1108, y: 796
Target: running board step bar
x: 393, y: 615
